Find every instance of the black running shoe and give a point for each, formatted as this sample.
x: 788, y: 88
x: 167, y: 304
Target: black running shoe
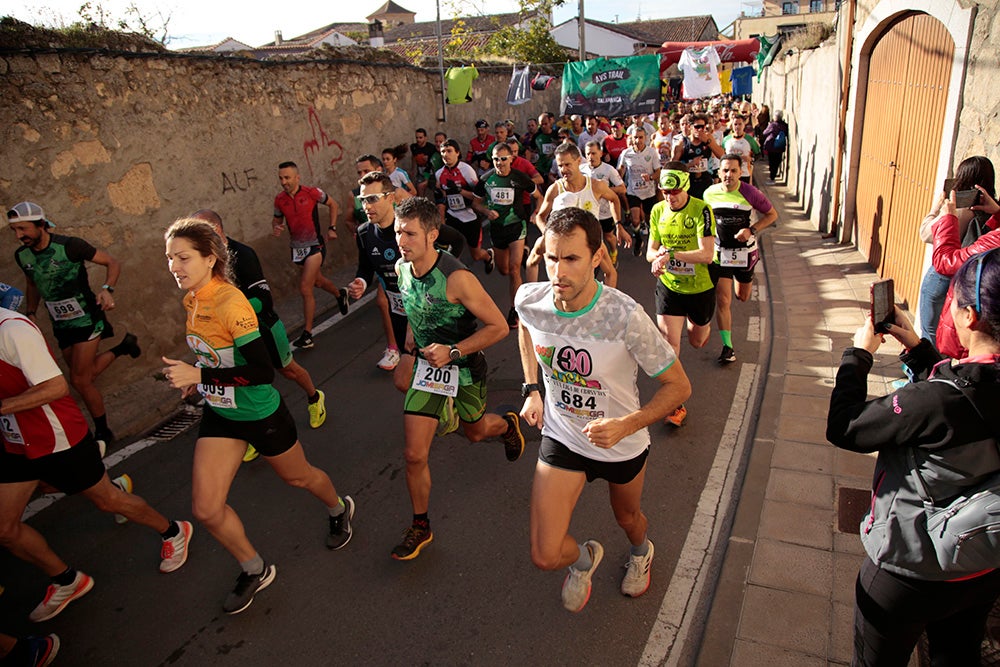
x: 512, y: 319
x: 304, y: 342
x: 638, y: 242
x: 489, y: 263
x: 247, y: 586
x: 414, y: 541
x: 513, y: 441
x: 130, y: 345
x: 340, y: 527
x: 342, y: 301
x: 727, y: 356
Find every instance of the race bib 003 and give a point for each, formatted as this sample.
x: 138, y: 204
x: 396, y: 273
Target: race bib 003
x: 299, y: 254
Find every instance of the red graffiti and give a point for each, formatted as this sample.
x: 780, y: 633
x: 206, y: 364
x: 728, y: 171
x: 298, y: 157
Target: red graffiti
x: 320, y: 142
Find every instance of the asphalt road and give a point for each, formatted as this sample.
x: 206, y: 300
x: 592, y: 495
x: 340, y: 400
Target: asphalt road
x: 472, y: 597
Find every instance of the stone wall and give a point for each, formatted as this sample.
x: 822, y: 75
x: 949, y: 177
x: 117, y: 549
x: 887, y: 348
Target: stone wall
x: 115, y: 147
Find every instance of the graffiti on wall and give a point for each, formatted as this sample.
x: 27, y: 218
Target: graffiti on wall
x: 320, y: 147
x: 238, y: 181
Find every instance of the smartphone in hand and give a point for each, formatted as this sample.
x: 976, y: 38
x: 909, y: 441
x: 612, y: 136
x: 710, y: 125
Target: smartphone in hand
x: 883, y: 304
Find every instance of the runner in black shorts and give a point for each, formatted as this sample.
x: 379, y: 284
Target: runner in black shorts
x: 249, y: 277
x: 234, y: 377
x: 46, y: 439
x: 455, y: 182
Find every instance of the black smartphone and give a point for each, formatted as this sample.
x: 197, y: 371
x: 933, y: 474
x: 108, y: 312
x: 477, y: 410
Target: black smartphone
x: 963, y: 198
x: 883, y: 304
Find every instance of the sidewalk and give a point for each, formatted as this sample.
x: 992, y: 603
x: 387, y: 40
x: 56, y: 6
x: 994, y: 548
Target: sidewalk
x: 785, y: 595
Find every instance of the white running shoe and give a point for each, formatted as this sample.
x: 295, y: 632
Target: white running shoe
x: 576, y: 587
x: 174, y: 551
x: 57, y: 597
x: 637, y: 573
x: 389, y: 360
x: 125, y: 484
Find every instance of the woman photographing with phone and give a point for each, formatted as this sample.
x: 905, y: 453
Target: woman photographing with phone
x: 233, y: 372
x: 936, y: 440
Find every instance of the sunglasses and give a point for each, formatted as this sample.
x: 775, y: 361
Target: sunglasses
x: 373, y: 198
x: 674, y: 192
x: 501, y: 158
x: 699, y: 127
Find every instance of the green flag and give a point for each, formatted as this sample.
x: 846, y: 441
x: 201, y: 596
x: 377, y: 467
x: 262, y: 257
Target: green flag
x: 612, y: 86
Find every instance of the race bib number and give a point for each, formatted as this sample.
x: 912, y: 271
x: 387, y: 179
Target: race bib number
x: 442, y: 381
x: 456, y: 202
x: 396, y: 302
x: 736, y: 257
x: 580, y: 403
x: 698, y: 165
x: 548, y: 149
x: 679, y: 268
x: 502, y: 196
x: 299, y: 254
x: 67, y: 309
x: 11, y: 431
x: 223, y: 398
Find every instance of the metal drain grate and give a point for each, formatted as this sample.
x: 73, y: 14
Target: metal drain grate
x: 177, y: 424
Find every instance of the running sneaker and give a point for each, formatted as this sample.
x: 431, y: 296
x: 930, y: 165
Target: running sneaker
x: 727, y: 356
x: 513, y: 441
x: 677, y: 417
x: 105, y: 439
x: 637, y: 244
x: 130, y: 346
x: 125, y: 484
x: 449, y: 422
x: 34, y: 651
x: 57, y: 597
x: 251, y: 454
x: 512, y: 319
x: 304, y: 341
x: 489, y: 263
x: 414, y: 541
x: 637, y: 574
x: 389, y: 360
x: 576, y: 586
x: 340, y: 527
x: 342, y: 298
x: 317, y: 410
x: 174, y: 551
x: 247, y: 586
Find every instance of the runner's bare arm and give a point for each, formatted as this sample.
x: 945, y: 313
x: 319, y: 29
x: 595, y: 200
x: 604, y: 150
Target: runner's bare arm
x: 465, y: 288
x: 104, y: 298
x: 36, y: 396
x: 533, y: 409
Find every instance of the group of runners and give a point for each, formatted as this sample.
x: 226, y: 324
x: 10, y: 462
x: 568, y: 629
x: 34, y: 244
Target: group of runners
x: 580, y: 338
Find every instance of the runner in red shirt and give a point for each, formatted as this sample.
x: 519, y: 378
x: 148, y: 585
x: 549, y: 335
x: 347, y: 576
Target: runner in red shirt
x: 45, y: 438
x: 296, y: 205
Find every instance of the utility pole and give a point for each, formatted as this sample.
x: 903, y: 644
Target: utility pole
x: 444, y: 87
x: 582, y: 28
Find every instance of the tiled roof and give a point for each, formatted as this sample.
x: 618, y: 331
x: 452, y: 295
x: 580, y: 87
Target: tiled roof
x: 473, y: 24
x: 428, y: 46
x: 390, y: 7
x: 657, y: 31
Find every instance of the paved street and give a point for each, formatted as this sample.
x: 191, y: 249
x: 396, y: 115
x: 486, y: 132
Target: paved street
x: 472, y: 598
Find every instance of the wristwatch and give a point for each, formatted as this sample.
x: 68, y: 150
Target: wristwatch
x: 526, y: 389
x: 111, y: 290
x: 455, y: 353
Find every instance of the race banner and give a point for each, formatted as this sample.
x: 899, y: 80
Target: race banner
x: 612, y: 86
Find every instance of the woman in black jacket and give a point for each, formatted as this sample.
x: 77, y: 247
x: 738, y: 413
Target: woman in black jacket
x: 944, y: 426
x: 775, y: 142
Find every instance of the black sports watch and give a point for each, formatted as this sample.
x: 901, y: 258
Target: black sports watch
x: 526, y: 389
x: 455, y: 353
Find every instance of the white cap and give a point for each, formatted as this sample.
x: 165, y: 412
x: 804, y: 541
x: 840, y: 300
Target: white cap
x: 27, y: 211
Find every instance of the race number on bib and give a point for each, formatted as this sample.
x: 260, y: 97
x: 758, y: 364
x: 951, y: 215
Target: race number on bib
x: 503, y: 196
x: 548, y: 149
x: 456, y: 202
x: 679, y: 268
x: 218, y: 397
x: 443, y: 381
x: 580, y: 403
x: 396, y: 302
x: 736, y: 257
x: 67, y: 309
x: 299, y: 254
x: 11, y: 431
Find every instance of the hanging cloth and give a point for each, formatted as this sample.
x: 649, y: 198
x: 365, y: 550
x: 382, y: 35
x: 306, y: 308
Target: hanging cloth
x: 701, y: 72
x: 520, y: 86
x: 459, y: 81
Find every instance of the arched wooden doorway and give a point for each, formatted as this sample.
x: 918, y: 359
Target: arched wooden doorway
x: 908, y: 76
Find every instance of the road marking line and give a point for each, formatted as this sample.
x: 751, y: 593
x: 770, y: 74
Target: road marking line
x: 115, y: 458
x: 753, y: 329
x: 673, y: 622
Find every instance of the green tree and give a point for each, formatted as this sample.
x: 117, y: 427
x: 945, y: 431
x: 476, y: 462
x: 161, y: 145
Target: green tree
x: 528, y: 41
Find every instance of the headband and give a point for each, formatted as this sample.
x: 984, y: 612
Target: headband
x: 673, y: 179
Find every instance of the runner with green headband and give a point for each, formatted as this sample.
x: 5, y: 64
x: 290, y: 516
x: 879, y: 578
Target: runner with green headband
x: 681, y: 245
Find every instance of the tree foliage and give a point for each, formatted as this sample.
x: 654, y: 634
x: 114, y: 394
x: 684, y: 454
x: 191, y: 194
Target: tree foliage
x: 154, y: 25
x: 529, y: 40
